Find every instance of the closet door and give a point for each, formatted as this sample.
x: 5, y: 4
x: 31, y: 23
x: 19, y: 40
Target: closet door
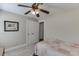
x: 27, y: 32
x: 33, y: 32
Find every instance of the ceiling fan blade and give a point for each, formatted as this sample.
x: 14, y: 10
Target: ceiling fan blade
x: 28, y: 12
x: 45, y: 11
x: 24, y: 6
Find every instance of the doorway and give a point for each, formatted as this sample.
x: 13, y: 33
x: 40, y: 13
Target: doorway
x: 41, y: 31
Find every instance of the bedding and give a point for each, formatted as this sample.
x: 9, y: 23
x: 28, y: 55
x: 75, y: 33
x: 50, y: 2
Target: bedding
x: 56, y: 48
x: 1, y: 51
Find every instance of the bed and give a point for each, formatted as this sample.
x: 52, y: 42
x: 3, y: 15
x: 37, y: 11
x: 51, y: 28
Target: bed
x: 2, y: 51
x: 56, y: 48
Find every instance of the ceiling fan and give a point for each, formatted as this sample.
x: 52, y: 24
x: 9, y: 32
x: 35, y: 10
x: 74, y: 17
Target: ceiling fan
x: 35, y: 9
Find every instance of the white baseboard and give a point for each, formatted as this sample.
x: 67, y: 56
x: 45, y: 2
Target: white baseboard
x: 14, y: 48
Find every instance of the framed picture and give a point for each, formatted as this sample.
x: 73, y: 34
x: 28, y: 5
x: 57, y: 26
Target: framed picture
x: 11, y: 26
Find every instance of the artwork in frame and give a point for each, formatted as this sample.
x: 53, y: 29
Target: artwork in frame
x: 11, y: 26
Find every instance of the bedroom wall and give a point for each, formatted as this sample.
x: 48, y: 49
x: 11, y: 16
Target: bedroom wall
x: 0, y: 5
x: 15, y: 13
x: 11, y: 39
x: 64, y: 26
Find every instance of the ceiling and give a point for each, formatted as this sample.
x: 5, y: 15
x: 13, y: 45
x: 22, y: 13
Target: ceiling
x: 52, y: 7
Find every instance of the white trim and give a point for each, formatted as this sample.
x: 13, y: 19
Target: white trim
x: 16, y: 47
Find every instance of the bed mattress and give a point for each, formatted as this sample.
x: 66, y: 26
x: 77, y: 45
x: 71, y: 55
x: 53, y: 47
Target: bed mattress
x: 56, y: 49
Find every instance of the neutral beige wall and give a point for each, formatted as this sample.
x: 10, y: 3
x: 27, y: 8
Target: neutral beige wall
x: 63, y: 26
x: 10, y: 39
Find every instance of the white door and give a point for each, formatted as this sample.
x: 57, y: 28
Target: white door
x: 33, y: 32
x: 27, y: 32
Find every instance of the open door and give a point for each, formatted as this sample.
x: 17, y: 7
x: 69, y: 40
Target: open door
x: 41, y: 31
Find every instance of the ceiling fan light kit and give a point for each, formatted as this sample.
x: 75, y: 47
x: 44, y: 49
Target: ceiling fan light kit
x: 35, y: 9
x: 35, y: 12
x: 32, y: 12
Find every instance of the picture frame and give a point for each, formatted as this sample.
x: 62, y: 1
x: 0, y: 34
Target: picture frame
x: 11, y: 26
